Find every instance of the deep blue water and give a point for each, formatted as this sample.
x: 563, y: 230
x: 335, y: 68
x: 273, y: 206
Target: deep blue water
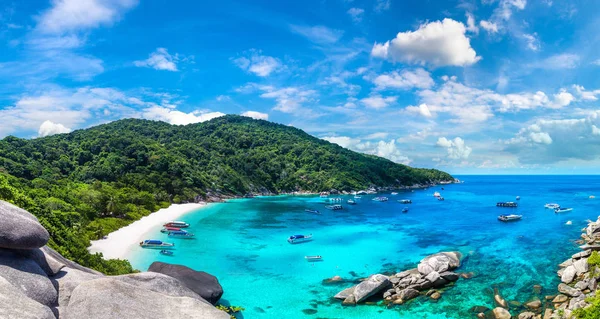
x: 243, y: 243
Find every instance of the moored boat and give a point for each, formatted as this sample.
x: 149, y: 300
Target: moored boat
x: 507, y: 204
x: 156, y: 244
x: 323, y: 194
x: 334, y: 207
x: 405, y: 210
x: 181, y: 234
x: 313, y: 258
x: 312, y: 211
x: 177, y: 224
x: 351, y: 202
x: 169, y: 229
x: 295, y: 239
x: 552, y: 206
x: 380, y: 199
x: 440, y: 198
x: 166, y: 252
x: 562, y: 209
x: 405, y: 201
x: 518, y: 198
x: 394, y: 193
x: 509, y: 218
x: 357, y: 196
x: 437, y: 194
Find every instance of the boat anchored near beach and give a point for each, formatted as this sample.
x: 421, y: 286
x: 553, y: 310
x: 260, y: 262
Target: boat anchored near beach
x: 166, y: 252
x: 334, y: 207
x: 296, y: 239
x: 351, y: 202
x: 156, y: 244
x: 177, y: 224
x: 552, y: 206
x: 405, y: 201
x: 509, y: 218
x: 405, y: 210
x: 380, y: 199
x: 169, y: 229
x: 181, y: 234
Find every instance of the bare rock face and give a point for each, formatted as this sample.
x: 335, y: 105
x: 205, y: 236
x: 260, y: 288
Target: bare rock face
x: 15, y: 304
x: 109, y: 298
x: 371, y: 286
x: 439, y: 262
x: 202, y: 283
x: 568, y: 274
x: 569, y: 291
x: 19, y: 229
x: 27, y: 275
x: 66, y: 280
x: 500, y: 313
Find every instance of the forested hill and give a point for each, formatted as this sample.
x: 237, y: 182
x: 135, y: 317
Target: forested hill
x: 101, y: 178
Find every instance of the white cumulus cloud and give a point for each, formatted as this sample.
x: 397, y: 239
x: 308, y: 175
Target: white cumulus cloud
x: 356, y: 14
x: 261, y: 65
x: 488, y: 26
x: 256, y: 115
x: 159, y: 60
x: 50, y: 128
x: 438, y: 43
x: 380, y: 148
x: 74, y: 15
x: 406, y: 79
x: 176, y: 117
x: 456, y: 148
x: 377, y: 101
x: 422, y: 110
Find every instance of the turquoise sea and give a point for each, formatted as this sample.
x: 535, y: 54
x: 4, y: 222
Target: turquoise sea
x: 243, y: 243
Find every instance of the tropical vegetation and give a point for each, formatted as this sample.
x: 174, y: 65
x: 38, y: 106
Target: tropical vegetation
x: 87, y: 183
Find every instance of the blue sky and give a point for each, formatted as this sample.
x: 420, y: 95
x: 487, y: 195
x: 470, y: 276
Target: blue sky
x: 477, y: 87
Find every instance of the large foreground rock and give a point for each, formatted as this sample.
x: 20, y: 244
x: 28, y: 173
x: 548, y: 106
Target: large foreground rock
x: 27, y: 275
x: 15, y: 304
x: 440, y: 262
x: 202, y: 283
x: 160, y: 283
x: 108, y: 298
x: 371, y: 286
x: 19, y: 229
x: 66, y: 280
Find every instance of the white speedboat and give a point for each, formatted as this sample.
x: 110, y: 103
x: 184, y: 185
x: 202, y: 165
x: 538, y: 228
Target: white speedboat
x: 552, y: 206
x: 380, y: 199
x: 156, y: 244
x: 334, y: 207
x: 509, y: 218
x: 562, y: 210
x: 405, y: 210
x: 394, y: 193
x: 357, y: 196
x: 405, y: 201
x: 296, y: 239
x: 351, y: 202
x: 437, y: 194
x: 518, y: 198
x: 313, y: 211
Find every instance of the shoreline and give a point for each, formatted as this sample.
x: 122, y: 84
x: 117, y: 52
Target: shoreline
x: 119, y: 243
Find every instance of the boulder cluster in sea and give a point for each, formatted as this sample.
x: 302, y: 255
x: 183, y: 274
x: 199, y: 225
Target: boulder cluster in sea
x: 433, y: 272
x: 37, y: 282
x: 579, y: 279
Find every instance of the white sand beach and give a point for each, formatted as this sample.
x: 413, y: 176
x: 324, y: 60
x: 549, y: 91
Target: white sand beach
x: 118, y: 243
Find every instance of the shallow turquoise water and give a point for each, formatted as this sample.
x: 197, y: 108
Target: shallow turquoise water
x: 243, y: 243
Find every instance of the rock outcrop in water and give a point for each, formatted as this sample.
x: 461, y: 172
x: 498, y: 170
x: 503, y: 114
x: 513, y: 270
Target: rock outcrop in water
x: 433, y: 272
x: 37, y: 282
x: 579, y: 279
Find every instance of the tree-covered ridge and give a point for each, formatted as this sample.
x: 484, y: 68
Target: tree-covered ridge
x: 89, y: 182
